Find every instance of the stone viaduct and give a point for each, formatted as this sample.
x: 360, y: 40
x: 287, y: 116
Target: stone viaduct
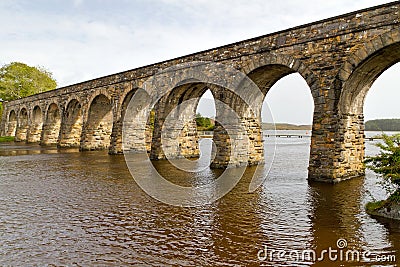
x: 339, y: 58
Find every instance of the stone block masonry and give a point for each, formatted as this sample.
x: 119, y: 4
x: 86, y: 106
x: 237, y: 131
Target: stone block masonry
x: 339, y: 58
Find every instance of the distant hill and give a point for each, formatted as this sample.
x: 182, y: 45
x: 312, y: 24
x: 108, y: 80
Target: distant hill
x: 383, y: 125
x: 286, y: 126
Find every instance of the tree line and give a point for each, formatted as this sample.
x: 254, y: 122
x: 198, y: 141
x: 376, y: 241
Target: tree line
x: 18, y: 80
x: 383, y: 125
x: 204, y: 123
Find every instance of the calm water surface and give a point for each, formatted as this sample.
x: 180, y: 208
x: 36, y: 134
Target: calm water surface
x: 70, y: 208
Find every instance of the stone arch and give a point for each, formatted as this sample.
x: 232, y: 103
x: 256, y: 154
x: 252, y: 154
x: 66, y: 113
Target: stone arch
x: 125, y: 101
x: 52, y: 125
x: 23, y: 124
x: 356, y: 77
x: 179, y: 106
x: 125, y: 95
x: 274, y: 67
x: 264, y: 71
x: 71, y: 126
x: 116, y: 135
x: 103, y: 92
x: 223, y: 81
x: 12, y: 123
x: 363, y: 67
x: 98, y: 127
x: 35, y: 129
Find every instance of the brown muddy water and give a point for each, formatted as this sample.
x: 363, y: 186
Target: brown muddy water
x: 70, y: 208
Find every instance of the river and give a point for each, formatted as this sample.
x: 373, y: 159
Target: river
x: 70, y: 208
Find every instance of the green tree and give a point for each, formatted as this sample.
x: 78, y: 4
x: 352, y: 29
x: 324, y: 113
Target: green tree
x: 1, y: 110
x: 387, y: 163
x: 383, y: 125
x: 18, y: 80
x: 203, y: 123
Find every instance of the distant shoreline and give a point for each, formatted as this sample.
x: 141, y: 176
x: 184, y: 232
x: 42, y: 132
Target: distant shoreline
x: 286, y: 126
x: 385, y: 125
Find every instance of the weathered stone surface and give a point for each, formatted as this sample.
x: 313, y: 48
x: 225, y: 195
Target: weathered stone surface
x: 339, y: 58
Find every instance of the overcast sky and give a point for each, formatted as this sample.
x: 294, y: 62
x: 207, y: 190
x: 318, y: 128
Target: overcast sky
x: 80, y: 40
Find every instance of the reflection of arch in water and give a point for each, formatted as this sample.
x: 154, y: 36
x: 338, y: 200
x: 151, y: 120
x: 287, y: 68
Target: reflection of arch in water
x: 51, y: 127
x: 335, y: 213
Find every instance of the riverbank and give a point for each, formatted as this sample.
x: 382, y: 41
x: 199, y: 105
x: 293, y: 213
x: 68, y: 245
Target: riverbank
x: 385, y: 209
x: 285, y: 126
x: 6, y: 139
x: 389, y: 208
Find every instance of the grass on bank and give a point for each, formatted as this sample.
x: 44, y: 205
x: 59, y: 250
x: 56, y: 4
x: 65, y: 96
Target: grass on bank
x: 373, y: 207
x: 6, y: 139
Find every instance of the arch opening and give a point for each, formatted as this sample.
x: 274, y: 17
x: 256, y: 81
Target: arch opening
x: 52, y: 125
x: 22, y: 128
x: 351, y: 107
x: 116, y: 146
x: 35, y: 129
x: 266, y: 76
x: 12, y: 123
x: 206, y: 105
x: 357, y: 86
x: 381, y: 101
x: 286, y: 117
x: 98, y: 127
x: 205, y: 125
x: 71, y: 128
x: 175, y: 130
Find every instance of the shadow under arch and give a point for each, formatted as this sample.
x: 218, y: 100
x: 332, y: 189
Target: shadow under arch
x: 52, y: 125
x: 11, y: 123
x: 35, y: 129
x: 266, y: 69
x: 22, y: 126
x: 116, y: 146
x: 96, y: 133
x: 71, y: 127
x: 179, y: 104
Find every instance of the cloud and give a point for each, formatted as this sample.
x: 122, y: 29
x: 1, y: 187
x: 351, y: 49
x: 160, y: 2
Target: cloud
x: 101, y: 37
x: 77, y: 3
